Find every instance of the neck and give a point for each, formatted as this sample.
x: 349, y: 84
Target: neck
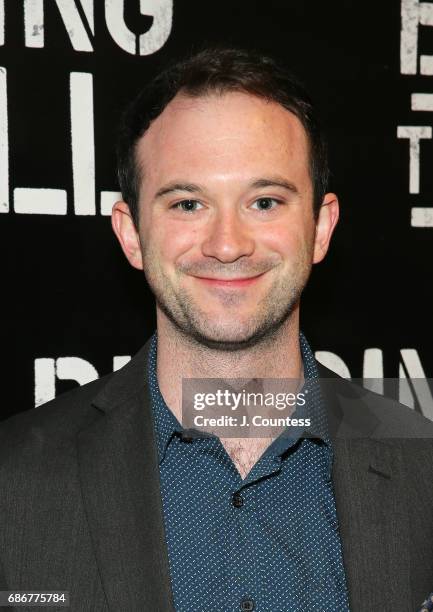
x: 179, y: 356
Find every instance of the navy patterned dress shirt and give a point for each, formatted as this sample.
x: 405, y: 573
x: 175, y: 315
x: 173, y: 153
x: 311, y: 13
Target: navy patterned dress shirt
x: 268, y: 543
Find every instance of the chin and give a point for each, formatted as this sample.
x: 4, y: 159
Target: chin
x: 224, y: 332
x: 230, y: 338
x: 230, y: 329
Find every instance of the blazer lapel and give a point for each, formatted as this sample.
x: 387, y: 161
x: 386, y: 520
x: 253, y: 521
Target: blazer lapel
x: 373, y: 525
x: 119, y: 475
x: 370, y: 501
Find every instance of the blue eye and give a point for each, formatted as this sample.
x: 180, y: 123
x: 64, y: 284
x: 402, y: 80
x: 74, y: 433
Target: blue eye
x: 187, y: 205
x: 265, y: 204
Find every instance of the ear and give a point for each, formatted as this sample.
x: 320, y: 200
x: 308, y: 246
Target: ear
x: 325, y: 225
x: 124, y: 228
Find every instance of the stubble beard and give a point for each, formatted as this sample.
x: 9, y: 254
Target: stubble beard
x: 192, y: 322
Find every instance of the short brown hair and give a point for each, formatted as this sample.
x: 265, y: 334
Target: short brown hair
x: 218, y: 71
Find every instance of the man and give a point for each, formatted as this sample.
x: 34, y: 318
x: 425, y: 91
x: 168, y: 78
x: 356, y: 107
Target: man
x: 105, y: 494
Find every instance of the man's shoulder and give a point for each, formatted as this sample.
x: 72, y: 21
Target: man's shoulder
x: 54, y: 422
x: 397, y: 419
x: 393, y: 419
x: 52, y: 428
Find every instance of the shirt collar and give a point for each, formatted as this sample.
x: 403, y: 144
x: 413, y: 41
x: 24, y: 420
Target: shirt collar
x: 167, y: 425
x: 316, y: 404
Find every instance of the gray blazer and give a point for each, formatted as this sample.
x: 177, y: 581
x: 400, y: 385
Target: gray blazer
x: 81, y: 506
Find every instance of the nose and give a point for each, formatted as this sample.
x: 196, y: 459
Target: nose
x: 228, y: 238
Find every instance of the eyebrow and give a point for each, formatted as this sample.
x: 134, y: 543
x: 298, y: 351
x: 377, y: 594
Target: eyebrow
x: 255, y: 184
x: 275, y: 182
x: 189, y: 187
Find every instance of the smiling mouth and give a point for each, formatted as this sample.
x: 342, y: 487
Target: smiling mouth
x: 232, y: 282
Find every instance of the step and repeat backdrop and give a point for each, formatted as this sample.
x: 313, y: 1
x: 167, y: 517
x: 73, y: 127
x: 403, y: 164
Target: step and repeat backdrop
x: 73, y: 309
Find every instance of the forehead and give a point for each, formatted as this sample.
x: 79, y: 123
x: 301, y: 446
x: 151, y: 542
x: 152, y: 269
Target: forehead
x: 227, y: 134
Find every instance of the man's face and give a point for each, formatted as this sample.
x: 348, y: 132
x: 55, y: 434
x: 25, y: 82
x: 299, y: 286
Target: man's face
x: 227, y: 234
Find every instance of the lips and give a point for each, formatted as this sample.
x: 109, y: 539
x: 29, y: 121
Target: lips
x: 233, y: 282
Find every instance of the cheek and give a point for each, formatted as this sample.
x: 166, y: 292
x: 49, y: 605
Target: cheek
x: 283, y: 239
x: 169, y: 240
x: 293, y: 241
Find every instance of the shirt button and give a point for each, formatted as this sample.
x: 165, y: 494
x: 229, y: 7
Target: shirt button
x: 247, y: 604
x: 238, y: 501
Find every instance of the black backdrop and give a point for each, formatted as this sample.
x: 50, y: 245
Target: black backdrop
x: 70, y: 301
